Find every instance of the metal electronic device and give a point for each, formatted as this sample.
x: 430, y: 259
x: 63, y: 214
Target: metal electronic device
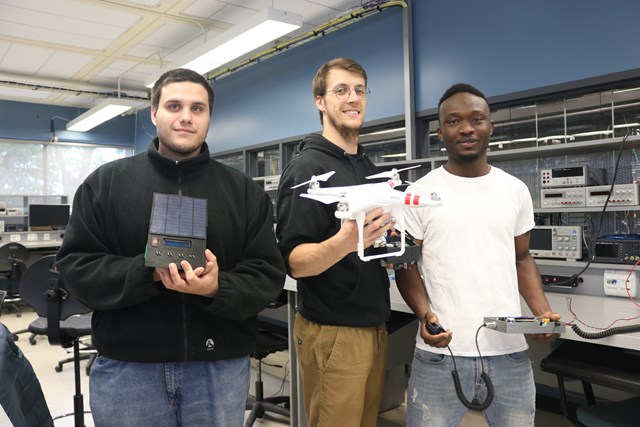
x: 554, y: 241
x: 623, y: 249
x: 571, y: 176
x: 621, y: 195
x: 524, y: 325
x: 571, y: 197
x: 177, y: 231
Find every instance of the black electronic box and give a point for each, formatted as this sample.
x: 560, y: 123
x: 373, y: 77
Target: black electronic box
x: 177, y: 231
x: 617, y: 249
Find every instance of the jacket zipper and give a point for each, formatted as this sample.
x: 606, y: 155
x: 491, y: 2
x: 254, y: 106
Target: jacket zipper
x: 183, y: 297
x: 179, y: 178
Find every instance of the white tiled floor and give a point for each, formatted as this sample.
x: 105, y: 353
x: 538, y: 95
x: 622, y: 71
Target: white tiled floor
x: 59, y: 387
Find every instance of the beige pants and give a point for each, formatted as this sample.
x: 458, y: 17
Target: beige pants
x: 342, y: 371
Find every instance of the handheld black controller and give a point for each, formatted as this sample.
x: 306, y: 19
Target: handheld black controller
x: 435, y: 328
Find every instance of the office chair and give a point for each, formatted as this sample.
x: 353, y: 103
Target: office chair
x: 42, y: 287
x: 272, y: 338
x: 13, y: 257
x: 81, y: 323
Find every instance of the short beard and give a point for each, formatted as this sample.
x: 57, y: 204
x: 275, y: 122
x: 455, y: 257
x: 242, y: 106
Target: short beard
x: 348, y: 133
x: 179, y: 152
x: 470, y: 158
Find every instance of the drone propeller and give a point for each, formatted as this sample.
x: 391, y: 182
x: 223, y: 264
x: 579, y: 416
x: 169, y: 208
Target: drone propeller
x: 391, y: 173
x: 316, y: 178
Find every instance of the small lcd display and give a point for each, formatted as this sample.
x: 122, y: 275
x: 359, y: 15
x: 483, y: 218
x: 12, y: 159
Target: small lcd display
x: 550, y: 195
x: 566, y: 172
x: 606, y: 250
x: 177, y: 243
x: 540, y: 239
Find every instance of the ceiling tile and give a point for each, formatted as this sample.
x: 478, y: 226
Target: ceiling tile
x: 94, y: 28
x: 63, y: 65
x: 203, y: 8
x: 23, y: 93
x: 103, y: 43
x: 24, y: 60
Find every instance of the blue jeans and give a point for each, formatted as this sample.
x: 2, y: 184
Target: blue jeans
x: 169, y: 394
x: 432, y: 400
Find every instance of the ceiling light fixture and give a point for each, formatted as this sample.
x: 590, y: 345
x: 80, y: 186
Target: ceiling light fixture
x: 626, y: 125
x: 105, y: 110
x: 260, y: 29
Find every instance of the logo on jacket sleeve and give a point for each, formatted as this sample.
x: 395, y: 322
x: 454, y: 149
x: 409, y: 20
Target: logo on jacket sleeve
x: 209, y: 344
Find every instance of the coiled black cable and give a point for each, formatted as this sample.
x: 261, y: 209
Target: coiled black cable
x: 604, y: 334
x: 485, y: 377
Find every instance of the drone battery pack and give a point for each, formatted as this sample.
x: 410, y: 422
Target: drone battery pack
x: 177, y: 231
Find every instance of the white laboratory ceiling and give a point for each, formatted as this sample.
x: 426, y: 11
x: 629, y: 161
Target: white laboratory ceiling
x: 76, y: 52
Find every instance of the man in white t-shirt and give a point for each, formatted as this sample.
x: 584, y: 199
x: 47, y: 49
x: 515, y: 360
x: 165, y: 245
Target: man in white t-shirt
x: 475, y: 262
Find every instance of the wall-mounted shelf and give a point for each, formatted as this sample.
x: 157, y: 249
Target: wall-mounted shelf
x: 585, y: 210
x: 20, y: 222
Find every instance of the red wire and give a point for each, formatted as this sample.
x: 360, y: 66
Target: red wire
x: 575, y: 316
x: 626, y: 283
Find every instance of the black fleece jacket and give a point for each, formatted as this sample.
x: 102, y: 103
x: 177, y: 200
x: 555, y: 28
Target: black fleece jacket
x: 102, y: 260
x: 351, y: 292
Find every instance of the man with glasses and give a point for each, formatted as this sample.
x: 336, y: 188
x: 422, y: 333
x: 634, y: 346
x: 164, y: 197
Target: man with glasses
x: 340, y: 334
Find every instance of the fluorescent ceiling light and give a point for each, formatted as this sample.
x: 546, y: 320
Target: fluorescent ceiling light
x: 626, y: 125
x: 593, y: 133
x: 555, y: 138
x: 384, y: 131
x: 106, y: 110
x: 260, y: 29
x: 389, y: 156
x: 513, y: 141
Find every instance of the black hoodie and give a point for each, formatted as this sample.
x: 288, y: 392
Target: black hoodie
x: 102, y: 260
x: 352, y: 292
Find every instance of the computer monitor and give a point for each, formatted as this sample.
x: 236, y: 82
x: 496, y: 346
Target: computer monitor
x: 48, y: 217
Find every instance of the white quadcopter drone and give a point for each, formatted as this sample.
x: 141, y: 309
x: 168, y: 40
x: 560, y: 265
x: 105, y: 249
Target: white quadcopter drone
x: 355, y: 201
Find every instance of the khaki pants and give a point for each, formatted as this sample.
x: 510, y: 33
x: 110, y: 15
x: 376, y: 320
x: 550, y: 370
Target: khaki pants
x: 342, y: 371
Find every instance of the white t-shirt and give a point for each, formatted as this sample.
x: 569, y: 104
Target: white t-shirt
x: 468, y: 256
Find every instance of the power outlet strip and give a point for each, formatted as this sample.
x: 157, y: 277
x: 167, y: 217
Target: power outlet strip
x: 614, y: 283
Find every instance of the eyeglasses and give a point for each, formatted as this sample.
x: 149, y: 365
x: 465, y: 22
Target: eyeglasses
x: 344, y: 92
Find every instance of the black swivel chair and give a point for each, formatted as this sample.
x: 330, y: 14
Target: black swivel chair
x: 42, y: 288
x: 272, y: 338
x: 81, y: 323
x: 13, y: 257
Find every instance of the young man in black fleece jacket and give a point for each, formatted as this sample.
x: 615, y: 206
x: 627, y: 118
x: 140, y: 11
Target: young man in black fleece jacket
x: 173, y: 344
x: 341, y: 339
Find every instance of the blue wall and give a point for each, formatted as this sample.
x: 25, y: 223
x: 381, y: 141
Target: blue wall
x: 273, y: 100
x: 501, y: 46
x: 145, y: 130
x: 32, y: 122
x: 505, y: 46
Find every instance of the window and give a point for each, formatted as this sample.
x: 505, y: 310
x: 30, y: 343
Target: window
x: 47, y: 169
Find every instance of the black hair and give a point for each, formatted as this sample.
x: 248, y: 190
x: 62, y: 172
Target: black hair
x: 180, y: 75
x: 461, y: 88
